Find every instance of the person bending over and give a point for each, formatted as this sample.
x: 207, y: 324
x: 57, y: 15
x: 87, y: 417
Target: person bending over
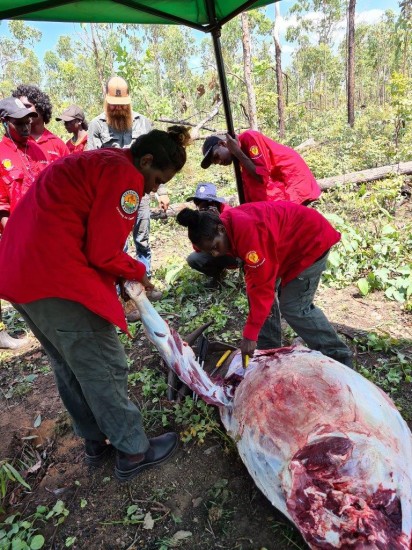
x: 74, y: 222
x: 274, y: 240
x: 270, y: 171
x: 206, y: 198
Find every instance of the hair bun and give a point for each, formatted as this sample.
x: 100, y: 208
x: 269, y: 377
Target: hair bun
x: 188, y: 217
x: 180, y: 134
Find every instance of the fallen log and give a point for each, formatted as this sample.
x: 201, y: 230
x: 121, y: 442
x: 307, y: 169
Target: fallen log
x: 364, y: 176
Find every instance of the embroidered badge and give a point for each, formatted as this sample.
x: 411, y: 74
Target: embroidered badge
x: 129, y: 201
x: 254, y: 151
x: 253, y: 259
x: 7, y: 164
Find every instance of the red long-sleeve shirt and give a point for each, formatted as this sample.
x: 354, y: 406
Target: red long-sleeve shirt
x: 274, y: 239
x: 52, y: 145
x: 19, y: 166
x: 286, y: 176
x: 66, y: 237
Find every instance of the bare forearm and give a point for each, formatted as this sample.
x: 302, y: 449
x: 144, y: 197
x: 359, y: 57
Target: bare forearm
x: 233, y: 145
x: 248, y: 165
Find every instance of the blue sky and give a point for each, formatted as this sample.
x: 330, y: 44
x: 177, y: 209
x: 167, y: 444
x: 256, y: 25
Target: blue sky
x: 367, y: 10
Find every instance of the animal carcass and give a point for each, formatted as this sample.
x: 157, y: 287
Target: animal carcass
x: 326, y: 446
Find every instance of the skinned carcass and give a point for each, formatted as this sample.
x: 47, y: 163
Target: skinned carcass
x: 326, y: 446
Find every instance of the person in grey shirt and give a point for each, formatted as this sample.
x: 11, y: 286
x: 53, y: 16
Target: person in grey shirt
x: 119, y: 126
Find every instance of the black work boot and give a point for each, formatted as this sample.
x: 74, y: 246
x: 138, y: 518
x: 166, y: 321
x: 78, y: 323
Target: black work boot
x: 97, y: 452
x: 161, y: 448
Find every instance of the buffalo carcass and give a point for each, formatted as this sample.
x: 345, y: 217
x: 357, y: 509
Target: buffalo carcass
x: 326, y: 446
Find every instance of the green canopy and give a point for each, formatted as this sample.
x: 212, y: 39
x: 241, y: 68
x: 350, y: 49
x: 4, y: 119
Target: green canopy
x: 203, y: 15
x: 200, y: 14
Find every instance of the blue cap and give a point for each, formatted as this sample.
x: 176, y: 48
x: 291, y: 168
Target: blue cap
x: 206, y: 191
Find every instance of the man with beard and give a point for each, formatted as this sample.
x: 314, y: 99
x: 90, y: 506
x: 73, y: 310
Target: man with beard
x: 118, y: 126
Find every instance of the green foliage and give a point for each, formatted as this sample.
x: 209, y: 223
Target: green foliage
x: 9, y: 475
x: 23, y: 534
x: 153, y: 385
x: 392, y: 369
x: 373, y: 254
x: 197, y: 420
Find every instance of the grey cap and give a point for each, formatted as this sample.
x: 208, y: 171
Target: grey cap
x: 72, y: 113
x: 14, y: 108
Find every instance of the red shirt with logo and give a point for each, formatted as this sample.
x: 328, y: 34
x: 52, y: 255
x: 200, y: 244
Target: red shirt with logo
x: 74, y: 222
x: 77, y: 147
x: 52, y: 145
x: 274, y: 239
x: 19, y: 166
x: 286, y: 176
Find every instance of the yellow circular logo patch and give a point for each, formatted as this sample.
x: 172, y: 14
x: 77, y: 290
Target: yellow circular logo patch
x: 252, y: 257
x: 7, y: 164
x: 254, y: 150
x: 129, y: 201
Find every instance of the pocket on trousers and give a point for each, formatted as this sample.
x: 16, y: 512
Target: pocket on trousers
x: 307, y: 289
x: 93, y: 355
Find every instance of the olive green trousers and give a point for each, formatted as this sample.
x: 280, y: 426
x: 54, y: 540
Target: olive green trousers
x: 90, y: 368
x: 295, y: 302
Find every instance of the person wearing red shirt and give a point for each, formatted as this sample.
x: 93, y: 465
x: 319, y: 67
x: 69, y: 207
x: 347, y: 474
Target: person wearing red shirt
x: 270, y: 171
x: 39, y: 102
x: 76, y: 124
x: 206, y: 198
x: 274, y: 240
x: 21, y: 160
x: 74, y: 222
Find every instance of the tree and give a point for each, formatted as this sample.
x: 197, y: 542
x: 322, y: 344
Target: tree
x: 279, y: 74
x: 351, y: 63
x: 404, y: 36
x: 18, y: 62
x: 248, y: 72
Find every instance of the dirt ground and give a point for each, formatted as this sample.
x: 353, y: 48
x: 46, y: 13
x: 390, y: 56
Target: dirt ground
x: 202, y: 499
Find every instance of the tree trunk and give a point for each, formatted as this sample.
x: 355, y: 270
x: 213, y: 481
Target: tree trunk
x: 351, y: 63
x: 97, y: 59
x: 247, y: 64
x: 364, y: 176
x: 279, y: 74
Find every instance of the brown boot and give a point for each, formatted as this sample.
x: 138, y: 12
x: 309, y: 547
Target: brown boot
x: 8, y: 342
x: 161, y: 448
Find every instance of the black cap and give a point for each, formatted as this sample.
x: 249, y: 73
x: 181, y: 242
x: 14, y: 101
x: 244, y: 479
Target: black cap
x: 207, y: 150
x: 14, y: 108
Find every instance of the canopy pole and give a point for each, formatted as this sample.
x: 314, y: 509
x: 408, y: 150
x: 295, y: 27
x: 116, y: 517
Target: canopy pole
x: 226, y: 105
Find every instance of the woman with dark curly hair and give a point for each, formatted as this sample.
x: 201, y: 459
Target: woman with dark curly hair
x: 39, y: 102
